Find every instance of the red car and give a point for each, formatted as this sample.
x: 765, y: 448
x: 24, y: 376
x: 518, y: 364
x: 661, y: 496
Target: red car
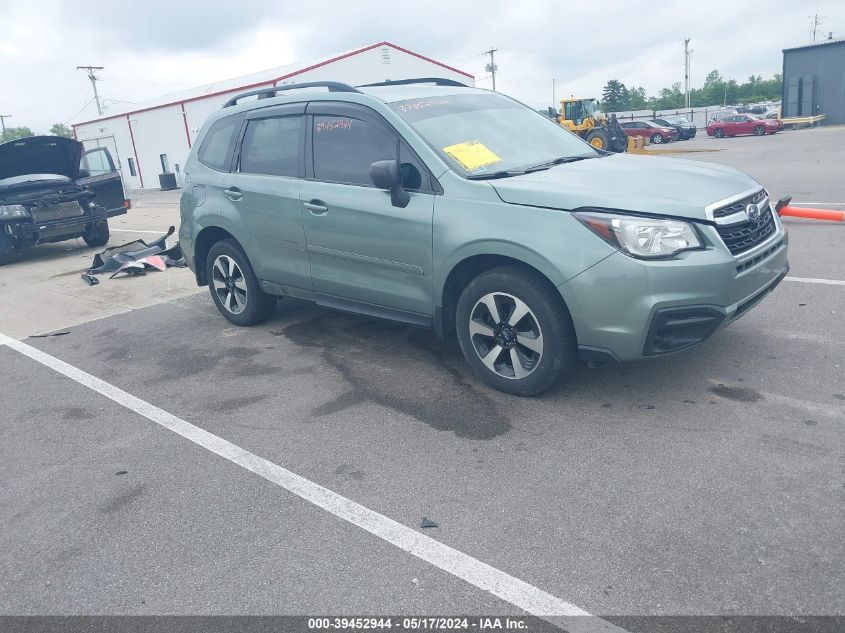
x: 655, y: 133
x: 743, y: 124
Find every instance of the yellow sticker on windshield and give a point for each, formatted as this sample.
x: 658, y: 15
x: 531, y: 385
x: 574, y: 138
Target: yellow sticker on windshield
x: 472, y: 155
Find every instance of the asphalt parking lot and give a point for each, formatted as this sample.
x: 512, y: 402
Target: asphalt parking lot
x: 704, y: 483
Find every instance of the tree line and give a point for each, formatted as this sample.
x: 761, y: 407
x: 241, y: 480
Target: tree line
x: 11, y: 133
x: 617, y: 97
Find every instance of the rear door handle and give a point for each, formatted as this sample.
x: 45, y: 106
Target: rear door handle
x: 316, y: 207
x: 234, y: 194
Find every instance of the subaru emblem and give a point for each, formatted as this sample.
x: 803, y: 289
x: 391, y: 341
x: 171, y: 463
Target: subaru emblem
x: 753, y: 212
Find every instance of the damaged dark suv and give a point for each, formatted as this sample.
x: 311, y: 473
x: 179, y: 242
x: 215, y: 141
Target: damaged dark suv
x: 51, y: 189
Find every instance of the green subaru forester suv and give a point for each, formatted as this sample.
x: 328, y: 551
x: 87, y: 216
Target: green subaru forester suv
x: 435, y: 204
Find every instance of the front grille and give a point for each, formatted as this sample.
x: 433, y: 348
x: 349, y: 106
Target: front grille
x: 739, y: 206
x: 59, y: 211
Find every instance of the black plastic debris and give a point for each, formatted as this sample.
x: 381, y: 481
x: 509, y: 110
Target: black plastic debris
x: 136, y: 257
x: 90, y: 279
x: 428, y: 523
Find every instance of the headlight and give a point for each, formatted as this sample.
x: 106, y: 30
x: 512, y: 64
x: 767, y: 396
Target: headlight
x: 13, y: 211
x: 648, y: 238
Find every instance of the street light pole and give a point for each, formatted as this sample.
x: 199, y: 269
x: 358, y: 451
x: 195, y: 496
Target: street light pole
x: 3, y: 118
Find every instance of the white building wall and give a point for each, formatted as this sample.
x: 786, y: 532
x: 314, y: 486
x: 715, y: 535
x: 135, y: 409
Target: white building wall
x: 161, y: 130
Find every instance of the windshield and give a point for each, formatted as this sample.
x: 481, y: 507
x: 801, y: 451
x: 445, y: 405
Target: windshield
x: 676, y: 119
x: 488, y: 133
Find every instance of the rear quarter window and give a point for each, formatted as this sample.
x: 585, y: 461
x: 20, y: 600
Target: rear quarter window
x: 215, y: 150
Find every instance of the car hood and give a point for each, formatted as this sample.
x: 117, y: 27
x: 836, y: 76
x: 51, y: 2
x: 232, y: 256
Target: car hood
x: 643, y: 184
x: 40, y: 155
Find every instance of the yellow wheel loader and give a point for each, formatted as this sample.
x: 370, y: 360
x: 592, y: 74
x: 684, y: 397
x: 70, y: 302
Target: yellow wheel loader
x: 580, y: 117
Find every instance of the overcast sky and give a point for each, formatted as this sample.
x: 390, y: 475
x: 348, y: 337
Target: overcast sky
x: 155, y: 47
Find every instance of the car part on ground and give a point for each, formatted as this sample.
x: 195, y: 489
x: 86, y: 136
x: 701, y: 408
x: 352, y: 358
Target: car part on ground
x: 136, y: 257
x: 465, y: 211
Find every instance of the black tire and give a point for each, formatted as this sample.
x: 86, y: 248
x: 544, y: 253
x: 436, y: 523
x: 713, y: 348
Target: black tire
x: 255, y: 305
x: 719, y: 133
x: 598, y: 139
x: 759, y: 131
x: 96, y: 233
x: 547, y: 325
x: 8, y: 248
x: 656, y: 139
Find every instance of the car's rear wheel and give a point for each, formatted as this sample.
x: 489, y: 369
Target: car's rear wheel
x: 97, y: 233
x: 656, y: 139
x: 515, y: 331
x: 719, y: 133
x: 234, y: 287
x: 759, y: 130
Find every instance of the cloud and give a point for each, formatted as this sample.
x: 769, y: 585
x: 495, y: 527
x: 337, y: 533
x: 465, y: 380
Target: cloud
x: 157, y: 47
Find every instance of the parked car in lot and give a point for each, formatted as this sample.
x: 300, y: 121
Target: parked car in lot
x: 774, y: 115
x: 465, y: 211
x: 743, y: 124
x: 655, y: 133
x: 681, y: 125
x: 51, y: 189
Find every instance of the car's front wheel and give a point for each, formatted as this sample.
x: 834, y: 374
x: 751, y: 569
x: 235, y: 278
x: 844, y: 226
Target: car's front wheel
x: 656, y: 139
x: 8, y: 249
x: 234, y: 287
x: 515, y: 331
x: 718, y: 133
x: 759, y: 130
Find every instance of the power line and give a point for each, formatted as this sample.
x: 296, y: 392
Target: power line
x: 93, y: 79
x: 69, y: 119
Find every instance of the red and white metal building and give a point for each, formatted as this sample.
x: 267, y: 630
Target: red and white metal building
x: 156, y: 136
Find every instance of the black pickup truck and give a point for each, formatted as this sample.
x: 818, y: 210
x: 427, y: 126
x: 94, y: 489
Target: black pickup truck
x: 51, y: 189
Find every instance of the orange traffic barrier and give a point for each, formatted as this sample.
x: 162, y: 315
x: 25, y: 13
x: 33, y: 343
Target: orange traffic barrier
x: 813, y: 214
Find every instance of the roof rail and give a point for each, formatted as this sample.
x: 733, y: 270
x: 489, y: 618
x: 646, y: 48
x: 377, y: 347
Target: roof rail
x: 437, y: 81
x: 267, y: 93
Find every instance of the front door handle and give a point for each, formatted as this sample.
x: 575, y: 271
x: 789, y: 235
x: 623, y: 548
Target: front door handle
x: 316, y: 207
x: 234, y: 194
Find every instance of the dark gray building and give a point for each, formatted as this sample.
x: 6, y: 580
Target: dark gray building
x: 814, y: 81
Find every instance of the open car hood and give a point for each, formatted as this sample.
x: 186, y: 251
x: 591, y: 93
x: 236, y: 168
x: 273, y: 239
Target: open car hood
x: 644, y: 184
x: 40, y: 155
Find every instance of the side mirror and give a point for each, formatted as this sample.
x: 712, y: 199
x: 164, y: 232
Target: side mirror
x: 386, y: 174
x: 84, y: 173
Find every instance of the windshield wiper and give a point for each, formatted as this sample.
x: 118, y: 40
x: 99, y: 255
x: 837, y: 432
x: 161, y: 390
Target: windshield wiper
x: 507, y: 173
x: 558, y: 161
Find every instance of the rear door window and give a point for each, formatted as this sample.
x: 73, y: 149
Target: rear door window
x: 345, y: 147
x: 272, y: 146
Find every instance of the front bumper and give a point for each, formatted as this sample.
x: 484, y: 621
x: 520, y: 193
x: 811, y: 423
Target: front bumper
x: 626, y: 309
x: 29, y: 230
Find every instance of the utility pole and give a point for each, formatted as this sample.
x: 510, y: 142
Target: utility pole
x: 816, y: 18
x: 553, y: 94
x: 686, y: 72
x: 491, y: 67
x: 3, y: 118
x: 93, y: 79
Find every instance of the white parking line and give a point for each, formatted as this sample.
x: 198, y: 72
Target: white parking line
x: 811, y: 280
x: 513, y: 590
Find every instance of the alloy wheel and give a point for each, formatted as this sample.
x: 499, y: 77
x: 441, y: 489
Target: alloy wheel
x: 229, y: 284
x: 506, y: 335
